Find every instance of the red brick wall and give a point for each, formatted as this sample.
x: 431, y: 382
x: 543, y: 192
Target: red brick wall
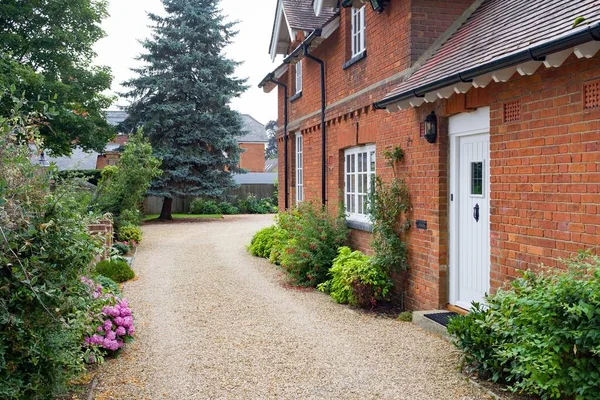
x: 253, y: 158
x: 545, y: 168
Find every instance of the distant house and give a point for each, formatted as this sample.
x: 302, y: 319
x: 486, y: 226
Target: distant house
x: 253, y: 143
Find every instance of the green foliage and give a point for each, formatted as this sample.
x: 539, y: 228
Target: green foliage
x: 253, y: 205
x: 129, y: 234
x: 405, y: 316
x: 181, y: 97
x: 308, y: 242
x: 355, y: 280
x: 89, y: 175
x: 117, y: 270
x: 228, y: 208
x: 388, y: 205
x: 540, y: 336
x: 44, y: 249
x: 202, y: 206
x: 122, y: 188
x: 122, y: 248
x: 262, y: 242
x: 46, y: 50
x: 108, y: 285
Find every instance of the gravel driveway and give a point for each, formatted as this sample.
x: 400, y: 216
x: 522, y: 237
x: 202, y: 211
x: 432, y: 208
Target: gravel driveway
x: 214, y: 322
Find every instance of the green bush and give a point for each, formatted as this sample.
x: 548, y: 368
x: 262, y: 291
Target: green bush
x: 117, y: 270
x: 540, y: 336
x: 108, y: 284
x: 90, y: 175
x: 44, y: 251
x: 122, y: 248
x: 262, y: 242
x: 308, y: 242
x: 355, y: 280
x: 130, y: 217
x: 129, y: 233
x: 253, y: 205
x: 228, y: 208
x: 202, y: 206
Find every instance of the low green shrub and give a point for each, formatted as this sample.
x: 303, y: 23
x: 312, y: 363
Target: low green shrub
x: 228, y: 208
x: 107, y: 284
x: 355, y: 280
x: 118, y: 271
x: 253, y: 205
x: 308, y: 242
x: 262, y: 242
x: 130, y: 217
x: 129, y: 234
x: 121, y: 248
x: 405, y: 316
x: 541, y: 335
x: 202, y: 206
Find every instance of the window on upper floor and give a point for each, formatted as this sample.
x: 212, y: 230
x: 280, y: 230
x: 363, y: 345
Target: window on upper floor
x: 359, y: 176
x: 298, y: 81
x: 299, y: 169
x: 358, y: 31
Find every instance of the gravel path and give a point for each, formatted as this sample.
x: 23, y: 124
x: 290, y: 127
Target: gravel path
x: 214, y: 322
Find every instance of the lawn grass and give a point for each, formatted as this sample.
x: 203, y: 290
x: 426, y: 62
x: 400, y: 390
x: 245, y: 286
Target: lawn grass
x: 184, y: 216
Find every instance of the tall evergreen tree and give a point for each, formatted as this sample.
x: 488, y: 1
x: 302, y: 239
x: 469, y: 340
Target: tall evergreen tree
x: 181, y: 97
x: 272, y: 150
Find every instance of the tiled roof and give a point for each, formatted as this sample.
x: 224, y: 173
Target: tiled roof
x: 301, y: 15
x: 255, y: 178
x: 255, y: 131
x: 496, y: 29
x: 114, y: 118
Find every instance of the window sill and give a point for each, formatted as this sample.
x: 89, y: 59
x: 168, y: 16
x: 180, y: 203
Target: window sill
x: 359, y: 225
x: 296, y: 96
x: 355, y: 59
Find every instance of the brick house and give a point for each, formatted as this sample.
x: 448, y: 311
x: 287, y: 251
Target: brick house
x: 253, y: 142
x: 496, y: 104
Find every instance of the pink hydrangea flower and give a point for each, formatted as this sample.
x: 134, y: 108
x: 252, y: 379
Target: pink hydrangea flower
x: 121, y: 331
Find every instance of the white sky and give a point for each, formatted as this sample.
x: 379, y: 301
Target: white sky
x: 128, y: 23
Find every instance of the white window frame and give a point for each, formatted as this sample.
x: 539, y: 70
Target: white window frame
x: 299, y: 168
x: 298, y: 75
x: 358, y: 31
x: 358, y: 181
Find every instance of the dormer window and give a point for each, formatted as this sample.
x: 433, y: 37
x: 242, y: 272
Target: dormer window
x: 358, y: 31
x: 298, y: 80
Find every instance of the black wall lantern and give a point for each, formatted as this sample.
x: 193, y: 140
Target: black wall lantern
x: 431, y: 128
x: 378, y: 5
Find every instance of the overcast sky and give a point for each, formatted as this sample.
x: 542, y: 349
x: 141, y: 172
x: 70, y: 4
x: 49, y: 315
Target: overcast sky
x: 128, y: 23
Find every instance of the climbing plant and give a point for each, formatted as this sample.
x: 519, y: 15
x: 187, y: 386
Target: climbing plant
x: 389, y: 204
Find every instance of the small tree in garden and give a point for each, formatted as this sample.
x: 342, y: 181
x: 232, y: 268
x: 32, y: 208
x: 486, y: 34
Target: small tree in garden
x: 182, y: 96
x: 122, y: 188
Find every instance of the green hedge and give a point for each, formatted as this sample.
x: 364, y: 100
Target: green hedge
x: 117, y: 270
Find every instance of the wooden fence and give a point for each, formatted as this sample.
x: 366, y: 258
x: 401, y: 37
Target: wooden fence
x: 153, y: 204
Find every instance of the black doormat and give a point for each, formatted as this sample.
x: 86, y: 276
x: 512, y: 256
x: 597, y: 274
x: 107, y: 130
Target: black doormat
x: 441, y: 318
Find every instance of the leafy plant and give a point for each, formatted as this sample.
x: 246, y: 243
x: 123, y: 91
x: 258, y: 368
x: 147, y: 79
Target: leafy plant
x: 541, y: 335
x: 356, y: 280
x: 129, y: 233
x: 118, y: 271
x: 228, y: 208
x: 122, y: 248
x: 253, y: 205
x: 308, y: 242
x: 108, y: 284
x: 202, y: 206
x: 389, y: 202
x: 262, y: 242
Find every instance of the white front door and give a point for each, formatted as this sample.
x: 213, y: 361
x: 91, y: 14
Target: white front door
x: 469, y: 208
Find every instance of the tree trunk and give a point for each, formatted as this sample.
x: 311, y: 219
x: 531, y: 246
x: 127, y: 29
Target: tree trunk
x: 165, y: 213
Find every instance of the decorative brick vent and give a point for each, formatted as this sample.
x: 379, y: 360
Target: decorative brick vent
x: 512, y: 111
x: 591, y: 95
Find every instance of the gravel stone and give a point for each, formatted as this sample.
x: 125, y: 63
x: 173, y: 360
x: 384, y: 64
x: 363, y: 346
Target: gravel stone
x: 213, y: 322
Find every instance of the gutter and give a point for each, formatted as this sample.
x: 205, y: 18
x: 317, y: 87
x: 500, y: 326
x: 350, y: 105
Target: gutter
x: 286, y: 190
x: 532, y: 53
x: 323, y: 106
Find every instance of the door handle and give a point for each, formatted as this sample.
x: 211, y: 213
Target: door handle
x: 476, y: 212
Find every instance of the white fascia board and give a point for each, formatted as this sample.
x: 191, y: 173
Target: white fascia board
x: 330, y: 28
x: 318, y: 7
x: 280, y: 18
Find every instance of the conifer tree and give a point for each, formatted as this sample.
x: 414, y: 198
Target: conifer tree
x: 181, y: 97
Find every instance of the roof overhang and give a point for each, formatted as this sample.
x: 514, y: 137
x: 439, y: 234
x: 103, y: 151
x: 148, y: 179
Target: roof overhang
x: 552, y: 53
x: 282, y: 33
x: 312, y: 41
x: 318, y: 5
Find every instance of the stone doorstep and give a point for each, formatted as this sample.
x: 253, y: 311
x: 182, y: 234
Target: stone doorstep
x: 419, y: 319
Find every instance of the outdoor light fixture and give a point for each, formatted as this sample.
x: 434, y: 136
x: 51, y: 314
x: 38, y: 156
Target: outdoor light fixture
x: 43, y: 162
x: 431, y: 128
x: 378, y: 5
